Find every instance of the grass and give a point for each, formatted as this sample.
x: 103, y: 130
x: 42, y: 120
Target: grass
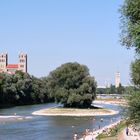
x: 113, y: 132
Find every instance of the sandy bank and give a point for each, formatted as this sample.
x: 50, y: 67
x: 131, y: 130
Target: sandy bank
x: 13, y: 117
x: 113, y: 101
x: 74, y: 112
x: 6, y: 117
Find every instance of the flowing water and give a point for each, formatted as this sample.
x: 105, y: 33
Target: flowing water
x: 32, y: 127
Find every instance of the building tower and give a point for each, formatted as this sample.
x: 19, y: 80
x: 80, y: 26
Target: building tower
x: 22, y: 62
x: 117, y: 79
x: 3, y: 62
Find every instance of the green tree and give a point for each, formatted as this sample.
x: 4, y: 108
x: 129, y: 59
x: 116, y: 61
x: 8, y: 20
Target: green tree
x: 130, y: 37
x: 72, y: 85
x: 120, y: 89
x: 112, y: 89
x: 135, y: 72
x: 21, y: 88
x: 133, y: 111
x: 1, y: 88
x: 130, y: 24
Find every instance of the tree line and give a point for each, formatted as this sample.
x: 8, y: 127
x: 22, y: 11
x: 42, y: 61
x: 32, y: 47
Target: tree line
x: 70, y: 84
x: 113, y: 90
x: 21, y: 89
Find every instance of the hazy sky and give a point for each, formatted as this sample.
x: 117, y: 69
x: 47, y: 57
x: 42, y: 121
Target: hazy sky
x: 53, y: 32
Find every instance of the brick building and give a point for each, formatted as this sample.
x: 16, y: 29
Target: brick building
x: 11, y: 68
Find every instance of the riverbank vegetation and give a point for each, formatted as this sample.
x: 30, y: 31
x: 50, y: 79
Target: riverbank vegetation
x: 112, y: 90
x: 130, y: 37
x: 112, y: 132
x: 21, y: 89
x: 70, y: 84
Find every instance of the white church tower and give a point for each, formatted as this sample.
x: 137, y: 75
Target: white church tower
x: 22, y: 62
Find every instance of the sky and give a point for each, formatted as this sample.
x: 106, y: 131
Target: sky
x: 54, y: 32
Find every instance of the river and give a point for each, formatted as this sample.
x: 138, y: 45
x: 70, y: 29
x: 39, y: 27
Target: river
x: 32, y: 127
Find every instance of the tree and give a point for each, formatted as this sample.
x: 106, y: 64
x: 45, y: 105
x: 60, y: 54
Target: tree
x: 112, y: 89
x: 71, y: 85
x: 133, y: 111
x: 1, y: 88
x: 21, y: 88
x: 120, y: 89
x: 130, y: 19
x: 135, y: 72
x: 130, y: 37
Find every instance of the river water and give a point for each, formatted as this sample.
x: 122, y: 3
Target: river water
x: 32, y: 127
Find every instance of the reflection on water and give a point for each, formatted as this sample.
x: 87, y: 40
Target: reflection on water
x: 46, y: 127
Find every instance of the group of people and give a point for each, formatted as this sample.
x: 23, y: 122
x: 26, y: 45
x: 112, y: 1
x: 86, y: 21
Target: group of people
x: 90, y: 135
x: 75, y: 136
x: 87, y: 135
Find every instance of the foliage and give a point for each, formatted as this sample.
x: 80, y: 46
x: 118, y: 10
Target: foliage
x: 112, y: 90
x: 130, y: 12
x: 130, y: 19
x: 69, y: 84
x: 72, y: 85
x: 133, y: 110
x: 120, y: 89
x: 113, y: 131
x: 135, y: 72
x: 21, y: 88
x: 129, y: 90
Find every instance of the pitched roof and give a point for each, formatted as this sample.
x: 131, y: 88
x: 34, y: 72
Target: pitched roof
x: 12, y: 66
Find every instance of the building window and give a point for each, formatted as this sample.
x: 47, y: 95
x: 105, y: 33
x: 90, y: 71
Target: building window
x: 22, y: 66
x: 21, y: 61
